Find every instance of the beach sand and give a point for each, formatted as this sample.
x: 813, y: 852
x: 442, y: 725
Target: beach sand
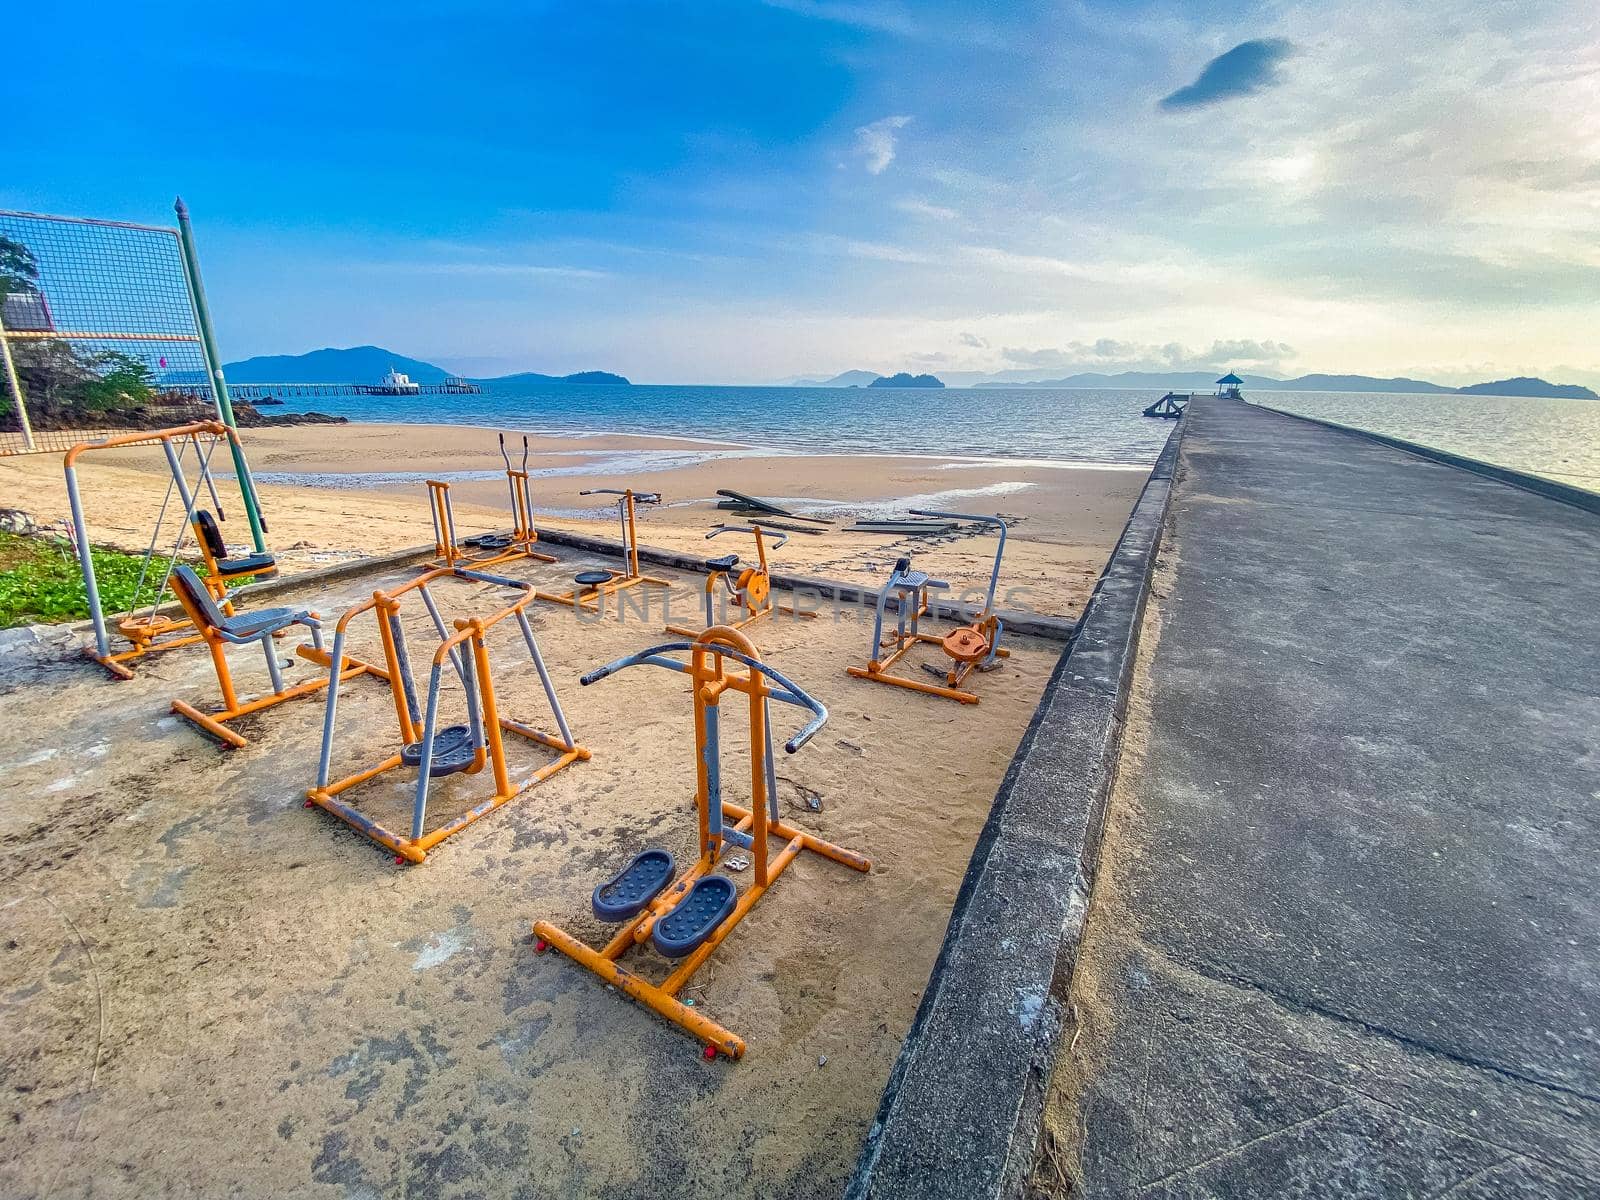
x: 213, y: 991
x: 370, y: 499
x: 197, y: 963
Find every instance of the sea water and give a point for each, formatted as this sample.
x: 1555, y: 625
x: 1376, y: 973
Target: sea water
x: 1058, y: 426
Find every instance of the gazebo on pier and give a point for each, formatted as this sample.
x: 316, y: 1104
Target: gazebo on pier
x: 1228, y: 387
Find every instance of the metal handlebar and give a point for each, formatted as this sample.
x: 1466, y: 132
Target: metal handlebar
x: 788, y: 692
x: 997, y: 522
x: 766, y: 533
x: 638, y: 497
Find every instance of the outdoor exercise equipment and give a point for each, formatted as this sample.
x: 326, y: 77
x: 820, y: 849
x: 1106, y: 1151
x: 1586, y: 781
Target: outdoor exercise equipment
x: 593, y: 585
x: 432, y: 751
x: 151, y: 630
x: 687, y: 920
x: 220, y: 631
x: 970, y: 647
x: 750, y: 589
x: 487, y: 549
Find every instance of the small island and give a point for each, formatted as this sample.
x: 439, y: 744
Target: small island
x: 906, y: 380
x: 1524, y: 385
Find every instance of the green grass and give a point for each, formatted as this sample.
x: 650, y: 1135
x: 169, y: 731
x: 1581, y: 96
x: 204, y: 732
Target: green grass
x: 40, y: 580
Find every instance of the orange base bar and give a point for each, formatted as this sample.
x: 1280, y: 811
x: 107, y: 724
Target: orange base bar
x: 215, y: 722
x: 416, y: 850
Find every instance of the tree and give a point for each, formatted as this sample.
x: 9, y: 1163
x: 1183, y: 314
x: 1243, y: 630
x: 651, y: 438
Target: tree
x: 19, y: 270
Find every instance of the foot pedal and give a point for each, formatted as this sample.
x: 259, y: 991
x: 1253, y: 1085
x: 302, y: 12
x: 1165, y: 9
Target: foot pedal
x: 633, y: 887
x: 696, y: 917
x: 452, y: 751
x: 489, y: 541
x: 591, y: 579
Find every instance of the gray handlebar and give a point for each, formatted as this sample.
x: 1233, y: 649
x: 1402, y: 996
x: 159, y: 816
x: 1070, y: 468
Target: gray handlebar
x: 767, y: 533
x: 790, y: 693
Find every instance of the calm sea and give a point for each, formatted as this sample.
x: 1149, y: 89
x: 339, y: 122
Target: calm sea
x: 1557, y: 438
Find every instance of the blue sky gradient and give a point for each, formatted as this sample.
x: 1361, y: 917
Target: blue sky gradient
x: 741, y: 192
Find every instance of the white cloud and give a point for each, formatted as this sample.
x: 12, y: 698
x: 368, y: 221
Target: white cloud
x: 921, y: 208
x: 876, y: 142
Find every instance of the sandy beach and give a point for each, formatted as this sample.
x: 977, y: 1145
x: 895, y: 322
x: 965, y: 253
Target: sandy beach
x: 337, y: 492
x: 197, y: 960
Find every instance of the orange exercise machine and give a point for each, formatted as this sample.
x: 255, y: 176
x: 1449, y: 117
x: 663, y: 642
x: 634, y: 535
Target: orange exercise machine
x: 594, y: 585
x: 219, y: 631
x: 150, y: 631
x: 750, y: 590
x: 432, y: 751
x: 487, y: 549
x: 974, y: 646
x: 687, y: 920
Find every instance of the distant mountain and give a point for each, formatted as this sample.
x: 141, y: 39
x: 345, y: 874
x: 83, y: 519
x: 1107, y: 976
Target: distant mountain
x: 582, y: 378
x: 369, y: 364
x: 903, y: 379
x: 1523, y: 385
x: 357, y: 364
x: 1201, y: 381
x: 846, y: 379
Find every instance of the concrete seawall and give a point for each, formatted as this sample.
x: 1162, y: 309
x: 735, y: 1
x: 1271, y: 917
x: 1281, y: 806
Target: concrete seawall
x: 960, y: 1114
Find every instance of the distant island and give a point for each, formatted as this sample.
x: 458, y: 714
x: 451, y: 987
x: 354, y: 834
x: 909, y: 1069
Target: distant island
x: 368, y: 364
x: 1523, y: 385
x: 905, y: 380
x: 581, y: 379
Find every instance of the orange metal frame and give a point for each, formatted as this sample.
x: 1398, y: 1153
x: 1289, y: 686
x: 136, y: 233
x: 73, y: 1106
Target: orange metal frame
x: 589, y: 596
x: 215, y: 722
x: 151, y: 632
x: 970, y: 647
x: 711, y: 678
x: 448, y: 553
x: 973, y: 640
x: 752, y: 590
x: 468, y: 638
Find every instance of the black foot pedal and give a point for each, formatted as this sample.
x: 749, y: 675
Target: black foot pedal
x: 452, y: 751
x: 633, y: 887
x: 696, y: 917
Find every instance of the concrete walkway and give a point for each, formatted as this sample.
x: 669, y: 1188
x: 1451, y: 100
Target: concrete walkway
x: 1346, y: 935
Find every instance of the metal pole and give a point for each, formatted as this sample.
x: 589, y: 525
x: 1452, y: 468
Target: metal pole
x: 16, y: 388
x: 219, y: 385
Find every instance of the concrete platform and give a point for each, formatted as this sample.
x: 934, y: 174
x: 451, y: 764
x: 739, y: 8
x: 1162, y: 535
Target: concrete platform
x: 1345, y: 939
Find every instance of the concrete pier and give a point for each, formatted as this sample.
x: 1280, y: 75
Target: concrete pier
x: 1324, y: 771
x: 1346, y: 937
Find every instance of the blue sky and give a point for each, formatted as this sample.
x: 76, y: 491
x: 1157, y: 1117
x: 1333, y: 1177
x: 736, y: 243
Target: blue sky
x: 741, y: 192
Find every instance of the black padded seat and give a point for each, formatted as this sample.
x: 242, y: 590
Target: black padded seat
x: 250, y: 564
x: 726, y: 563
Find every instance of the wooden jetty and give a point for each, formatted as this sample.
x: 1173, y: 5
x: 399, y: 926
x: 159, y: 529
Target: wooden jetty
x: 279, y: 391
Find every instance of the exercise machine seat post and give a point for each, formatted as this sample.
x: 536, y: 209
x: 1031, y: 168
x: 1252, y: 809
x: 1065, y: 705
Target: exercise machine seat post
x: 749, y: 589
x: 421, y: 744
x: 593, y: 586
x: 686, y: 919
x: 974, y: 646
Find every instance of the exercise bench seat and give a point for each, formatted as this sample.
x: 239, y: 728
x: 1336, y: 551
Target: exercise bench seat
x: 216, y: 552
x: 726, y: 563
